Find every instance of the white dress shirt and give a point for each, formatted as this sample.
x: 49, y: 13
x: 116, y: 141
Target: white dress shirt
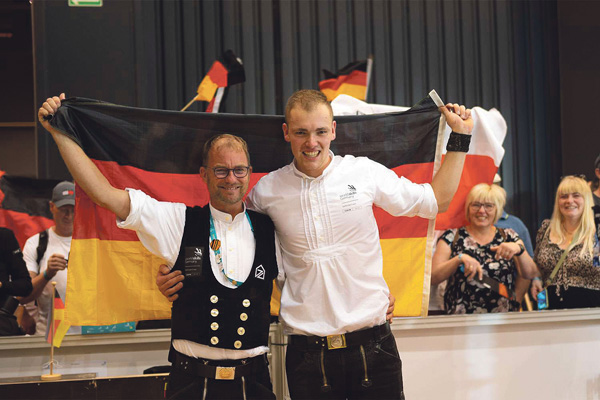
x: 329, y: 240
x: 159, y: 226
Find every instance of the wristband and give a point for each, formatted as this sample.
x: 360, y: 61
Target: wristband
x: 522, y: 250
x: 460, y: 257
x: 537, y: 278
x: 46, y: 276
x: 458, y: 142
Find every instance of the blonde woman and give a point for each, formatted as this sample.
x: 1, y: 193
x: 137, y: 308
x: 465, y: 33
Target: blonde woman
x: 572, y: 229
x: 482, y: 249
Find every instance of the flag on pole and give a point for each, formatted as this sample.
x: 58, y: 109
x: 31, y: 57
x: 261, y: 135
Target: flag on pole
x: 24, y: 205
x: 482, y: 162
x: 352, y: 80
x: 223, y: 73
x: 57, y: 317
x: 113, y: 276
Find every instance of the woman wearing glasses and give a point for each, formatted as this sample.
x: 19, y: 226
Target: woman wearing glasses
x: 576, y: 283
x: 479, y: 259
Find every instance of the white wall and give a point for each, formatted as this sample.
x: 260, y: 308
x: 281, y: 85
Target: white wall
x: 549, y: 355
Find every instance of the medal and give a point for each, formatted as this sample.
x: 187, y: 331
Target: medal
x: 215, y: 245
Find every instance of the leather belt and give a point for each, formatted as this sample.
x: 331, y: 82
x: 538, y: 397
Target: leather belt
x: 341, y: 341
x: 201, y: 367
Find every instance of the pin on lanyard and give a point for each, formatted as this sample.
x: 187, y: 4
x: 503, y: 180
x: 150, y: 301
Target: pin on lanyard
x: 215, y: 245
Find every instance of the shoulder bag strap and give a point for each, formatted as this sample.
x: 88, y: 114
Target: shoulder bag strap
x: 561, y: 261
x: 42, y: 246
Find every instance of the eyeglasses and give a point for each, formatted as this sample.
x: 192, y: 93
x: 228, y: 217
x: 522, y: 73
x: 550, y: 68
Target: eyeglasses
x: 238, y: 172
x: 487, y: 206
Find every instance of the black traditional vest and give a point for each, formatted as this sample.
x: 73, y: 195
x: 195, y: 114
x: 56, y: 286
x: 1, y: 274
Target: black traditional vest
x: 209, y: 313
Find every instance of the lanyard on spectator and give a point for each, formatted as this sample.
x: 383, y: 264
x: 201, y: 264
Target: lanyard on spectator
x: 215, y: 245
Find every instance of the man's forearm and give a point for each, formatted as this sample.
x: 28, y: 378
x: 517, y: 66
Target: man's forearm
x: 445, y: 182
x: 89, y: 177
x: 39, y: 283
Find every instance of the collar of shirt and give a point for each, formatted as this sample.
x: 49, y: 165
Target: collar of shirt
x: 226, y: 217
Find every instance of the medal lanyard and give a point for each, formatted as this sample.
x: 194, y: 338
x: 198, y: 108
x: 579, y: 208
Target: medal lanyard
x: 215, y: 245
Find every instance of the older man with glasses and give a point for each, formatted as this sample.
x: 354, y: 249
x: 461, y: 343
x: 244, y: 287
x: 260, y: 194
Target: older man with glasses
x: 220, y: 322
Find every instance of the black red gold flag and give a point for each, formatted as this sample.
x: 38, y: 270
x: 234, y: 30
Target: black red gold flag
x: 24, y: 205
x: 113, y: 276
x: 352, y: 79
x: 225, y: 72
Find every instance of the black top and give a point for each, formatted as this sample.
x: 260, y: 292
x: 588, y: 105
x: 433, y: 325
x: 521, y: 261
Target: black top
x: 13, y: 272
x: 209, y: 313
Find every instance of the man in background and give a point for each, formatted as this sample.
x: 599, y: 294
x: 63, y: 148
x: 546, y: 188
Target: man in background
x: 46, y: 255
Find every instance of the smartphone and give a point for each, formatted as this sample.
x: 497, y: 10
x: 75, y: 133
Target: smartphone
x: 542, y: 299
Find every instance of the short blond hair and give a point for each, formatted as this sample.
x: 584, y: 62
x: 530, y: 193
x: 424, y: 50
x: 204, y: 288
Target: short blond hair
x: 224, y: 140
x: 485, y: 193
x: 586, y: 228
x: 308, y: 100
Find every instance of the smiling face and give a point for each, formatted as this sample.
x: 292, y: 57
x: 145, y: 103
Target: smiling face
x: 571, y: 205
x: 226, y: 194
x: 310, y: 134
x: 481, y: 213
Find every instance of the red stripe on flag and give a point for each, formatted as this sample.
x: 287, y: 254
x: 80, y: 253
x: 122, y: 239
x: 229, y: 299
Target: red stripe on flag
x: 23, y: 225
x: 354, y: 77
x: 391, y: 227
x: 94, y: 222
x: 211, y: 105
x: 477, y: 169
x: 218, y: 74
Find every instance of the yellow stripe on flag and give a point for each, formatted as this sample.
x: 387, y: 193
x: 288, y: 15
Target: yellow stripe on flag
x: 356, y: 91
x: 123, y: 291
x: 403, y: 261
x: 206, y: 89
x: 60, y: 333
x: 275, y: 300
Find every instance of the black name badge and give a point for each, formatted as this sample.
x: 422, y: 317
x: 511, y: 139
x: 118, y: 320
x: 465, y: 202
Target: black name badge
x: 193, y: 261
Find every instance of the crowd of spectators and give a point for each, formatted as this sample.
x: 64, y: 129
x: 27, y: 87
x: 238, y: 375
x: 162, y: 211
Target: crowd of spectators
x: 481, y: 270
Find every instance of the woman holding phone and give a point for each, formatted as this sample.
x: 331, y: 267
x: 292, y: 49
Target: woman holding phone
x: 479, y: 256
x: 575, y: 282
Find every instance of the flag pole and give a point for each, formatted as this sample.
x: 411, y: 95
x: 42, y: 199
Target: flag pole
x: 369, y: 70
x: 52, y: 376
x: 188, y: 104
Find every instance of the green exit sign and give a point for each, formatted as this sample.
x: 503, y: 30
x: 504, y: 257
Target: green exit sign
x: 85, y: 3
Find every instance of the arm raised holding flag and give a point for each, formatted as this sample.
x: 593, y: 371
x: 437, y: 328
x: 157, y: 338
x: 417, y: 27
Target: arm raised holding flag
x: 83, y: 170
x: 220, y: 320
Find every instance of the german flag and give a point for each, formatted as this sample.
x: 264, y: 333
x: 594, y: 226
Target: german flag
x: 352, y: 80
x: 223, y: 73
x: 113, y: 276
x: 61, y: 326
x: 24, y: 205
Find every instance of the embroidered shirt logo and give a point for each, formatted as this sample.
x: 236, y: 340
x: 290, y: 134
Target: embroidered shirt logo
x: 259, y: 273
x: 349, y: 199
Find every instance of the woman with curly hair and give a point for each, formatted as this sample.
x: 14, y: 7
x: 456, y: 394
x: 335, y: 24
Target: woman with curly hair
x: 480, y: 249
x: 572, y: 230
